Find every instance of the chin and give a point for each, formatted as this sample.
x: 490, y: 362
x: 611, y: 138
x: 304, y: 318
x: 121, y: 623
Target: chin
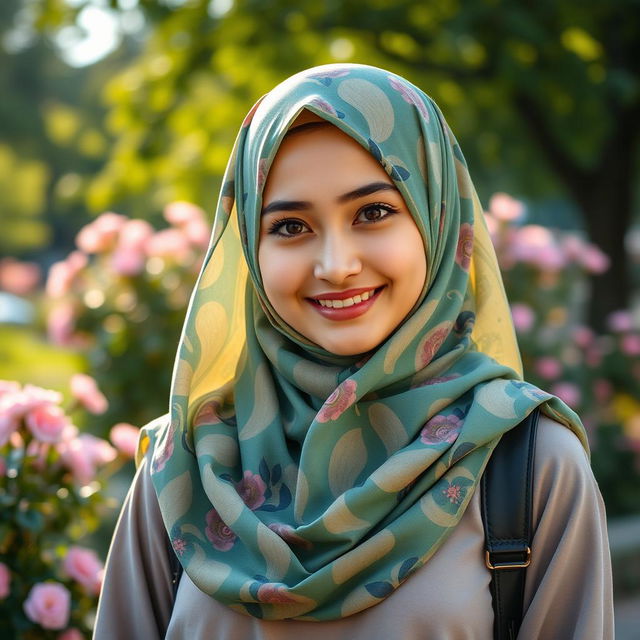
x: 350, y: 348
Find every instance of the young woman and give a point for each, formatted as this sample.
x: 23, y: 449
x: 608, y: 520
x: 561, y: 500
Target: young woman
x: 347, y: 366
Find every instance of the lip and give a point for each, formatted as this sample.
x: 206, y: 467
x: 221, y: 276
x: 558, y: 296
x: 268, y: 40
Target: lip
x: 346, y: 313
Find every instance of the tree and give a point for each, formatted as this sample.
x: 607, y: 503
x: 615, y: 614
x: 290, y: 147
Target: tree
x: 544, y: 96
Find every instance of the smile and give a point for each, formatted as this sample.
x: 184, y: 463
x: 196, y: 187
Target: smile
x: 347, y: 302
x: 345, y: 305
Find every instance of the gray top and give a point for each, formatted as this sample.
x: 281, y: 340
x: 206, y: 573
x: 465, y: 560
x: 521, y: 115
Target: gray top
x: 568, y: 590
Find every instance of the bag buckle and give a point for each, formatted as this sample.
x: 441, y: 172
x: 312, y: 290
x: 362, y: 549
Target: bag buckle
x: 495, y: 566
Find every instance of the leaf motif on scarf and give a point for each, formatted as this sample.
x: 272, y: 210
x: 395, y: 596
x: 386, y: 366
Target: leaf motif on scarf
x: 175, y: 498
x: 275, y: 551
x: 436, y: 514
x: 407, y: 333
x: 372, y: 103
x: 207, y: 572
x: 183, y: 377
x: 422, y: 161
x: 388, y: 427
x: 265, y: 407
x: 212, y: 328
x: 223, y: 449
x: 227, y: 502
x: 465, y: 186
x: 340, y: 519
x: 493, y: 398
x: 399, y: 470
x: 360, y: 557
x: 302, y: 496
x: 214, y: 267
x: 348, y: 459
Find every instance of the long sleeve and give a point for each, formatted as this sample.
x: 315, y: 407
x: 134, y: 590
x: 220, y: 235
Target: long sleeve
x: 136, y: 597
x: 568, y: 591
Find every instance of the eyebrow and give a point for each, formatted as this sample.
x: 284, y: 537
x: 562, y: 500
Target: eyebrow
x: 301, y: 205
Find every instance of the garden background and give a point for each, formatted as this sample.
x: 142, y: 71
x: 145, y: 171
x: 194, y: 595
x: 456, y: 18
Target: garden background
x: 116, y: 121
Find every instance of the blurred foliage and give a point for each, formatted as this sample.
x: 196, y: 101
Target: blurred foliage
x: 545, y: 97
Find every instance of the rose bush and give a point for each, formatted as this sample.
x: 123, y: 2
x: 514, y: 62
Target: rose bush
x: 546, y: 278
x: 120, y: 298
x: 51, y: 476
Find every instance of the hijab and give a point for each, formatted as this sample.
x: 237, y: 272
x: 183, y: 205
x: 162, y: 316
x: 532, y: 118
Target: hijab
x: 295, y: 483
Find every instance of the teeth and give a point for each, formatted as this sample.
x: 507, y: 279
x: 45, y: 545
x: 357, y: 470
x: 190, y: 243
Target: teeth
x: 347, y: 302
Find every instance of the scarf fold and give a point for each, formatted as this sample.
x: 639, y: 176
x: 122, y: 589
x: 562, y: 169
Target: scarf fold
x: 294, y: 483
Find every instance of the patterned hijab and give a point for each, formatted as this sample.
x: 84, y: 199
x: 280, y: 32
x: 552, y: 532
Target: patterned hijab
x: 298, y: 484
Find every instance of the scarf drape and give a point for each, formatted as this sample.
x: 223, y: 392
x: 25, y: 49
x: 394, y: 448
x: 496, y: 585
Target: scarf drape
x: 294, y: 483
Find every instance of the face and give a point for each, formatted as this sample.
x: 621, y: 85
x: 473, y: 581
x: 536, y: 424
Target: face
x: 341, y: 259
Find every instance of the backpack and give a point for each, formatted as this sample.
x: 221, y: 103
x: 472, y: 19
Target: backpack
x: 506, y: 501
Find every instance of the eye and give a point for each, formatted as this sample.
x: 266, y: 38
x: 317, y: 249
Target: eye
x: 288, y: 227
x: 375, y: 212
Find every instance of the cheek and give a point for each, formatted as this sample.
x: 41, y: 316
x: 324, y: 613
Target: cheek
x: 281, y: 274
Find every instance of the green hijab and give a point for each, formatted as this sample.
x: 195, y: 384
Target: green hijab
x: 294, y: 483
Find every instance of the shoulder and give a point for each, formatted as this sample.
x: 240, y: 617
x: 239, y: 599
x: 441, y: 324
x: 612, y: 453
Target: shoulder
x: 563, y: 480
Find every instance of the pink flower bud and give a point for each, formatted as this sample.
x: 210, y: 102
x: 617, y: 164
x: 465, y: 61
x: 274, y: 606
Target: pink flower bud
x: 61, y: 324
x: 85, y: 390
x: 100, y: 235
x: 630, y: 344
x: 48, y: 605
x: 523, y: 317
x: 503, y: 207
x: 5, y: 580
x: 548, y: 368
x: 198, y: 232
x: 594, y: 260
x: 172, y: 244
x: 19, y: 278
x: 60, y: 279
x: 134, y: 234
x: 125, y: 438
x: 568, y: 393
x: 620, y: 321
x: 180, y: 213
x: 47, y: 422
x: 85, y: 567
x: 128, y: 261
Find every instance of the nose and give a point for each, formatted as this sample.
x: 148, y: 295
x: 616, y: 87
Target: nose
x: 337, y: 259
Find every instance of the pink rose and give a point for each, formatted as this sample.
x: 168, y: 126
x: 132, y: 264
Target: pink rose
x: 8, y: 425
x: 198, y: 233
x: 61, y: 324
x: 620, y: 321
x: 464, y: 250
x: 630, y: 344
x: 47, y: 422
x: 70, y: 634
x: 594, y: 260
x: 19, y: 278
x: 9, y: 386
x: 83, y: 454
x: 503, y: 207
x: 48, y: 605
x: 85, y: 390
x: 583, y: 336
x: 567, y: 392
x: 62, y: 274
x: 523, y: 317
x: 220, y: 535
x: 128, y: 261
x: 338, y: 402
x: 181, y: 213
x: 548, y: 367
x: 100, y: 235
x: 85, y: 567
x: 441, y: 429
x: 125, y: 438
x: 251, y: 489
x: 169, y: 243
x: 5, y: 580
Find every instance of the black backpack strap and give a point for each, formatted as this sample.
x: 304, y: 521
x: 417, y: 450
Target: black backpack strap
x: 506, y: 499
x: 176, y: 568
